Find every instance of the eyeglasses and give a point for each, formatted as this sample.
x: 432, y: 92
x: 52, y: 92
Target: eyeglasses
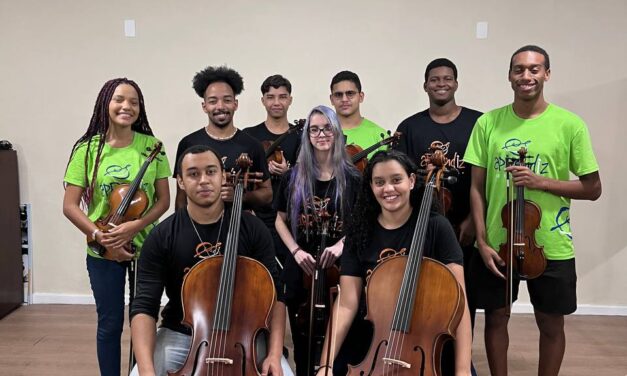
x: 340, y: 94
x: 315, y: 131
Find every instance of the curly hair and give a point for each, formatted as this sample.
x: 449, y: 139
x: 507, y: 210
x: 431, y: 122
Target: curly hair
x: 367, y: 209
x: 209, y: 75
x: 99, y: 125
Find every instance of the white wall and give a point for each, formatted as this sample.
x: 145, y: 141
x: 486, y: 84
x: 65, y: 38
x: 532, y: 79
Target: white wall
x: 55, y: 55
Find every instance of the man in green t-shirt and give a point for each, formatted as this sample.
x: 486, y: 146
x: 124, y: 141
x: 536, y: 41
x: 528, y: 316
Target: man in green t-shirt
x: 346, y: 96
x: 558, y: 144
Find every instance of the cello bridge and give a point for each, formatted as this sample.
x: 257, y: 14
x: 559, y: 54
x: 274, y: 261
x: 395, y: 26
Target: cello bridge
x: 390, y: 361
x: 219, y: 360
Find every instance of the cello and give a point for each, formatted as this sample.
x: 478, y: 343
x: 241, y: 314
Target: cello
x: 224, y: 331
x: 415, y: 304
x: 313, y: 315
x: 521, y: 218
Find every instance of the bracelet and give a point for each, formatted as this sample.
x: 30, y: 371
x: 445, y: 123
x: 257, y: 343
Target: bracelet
x: 93, y: 233
x: 294, y: 252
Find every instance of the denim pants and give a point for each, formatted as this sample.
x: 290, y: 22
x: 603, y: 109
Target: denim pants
x: 171, y: 349
x: 107, y: 279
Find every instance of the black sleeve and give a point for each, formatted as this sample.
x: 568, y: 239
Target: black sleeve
x: 183, y: 145
x: 280, y: 199
x: 403, y: 141
x: 150, y: 276
x: 447, y: 249
x: 351, y: 265
x: 262, y: 250
x: 259, y: 158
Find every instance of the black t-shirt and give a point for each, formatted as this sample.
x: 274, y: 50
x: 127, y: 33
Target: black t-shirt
x: 229, y: 149
x: 440, y: 244
x: 419, y: 131
x: 290, y: 146
x: 173, y: 247
x: 309, y: 223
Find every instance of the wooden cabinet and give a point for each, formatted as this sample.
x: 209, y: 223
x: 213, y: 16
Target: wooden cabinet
x: 11, y: 287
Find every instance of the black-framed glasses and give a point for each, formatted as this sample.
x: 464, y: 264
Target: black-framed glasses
x: 350, y: 94
x: 315, y: 131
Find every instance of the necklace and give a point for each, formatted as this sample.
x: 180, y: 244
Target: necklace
x: 221, y: 138
x: 202, y: 250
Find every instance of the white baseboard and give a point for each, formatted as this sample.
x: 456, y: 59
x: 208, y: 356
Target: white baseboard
x: 48, y: 298
x: 582, y: 309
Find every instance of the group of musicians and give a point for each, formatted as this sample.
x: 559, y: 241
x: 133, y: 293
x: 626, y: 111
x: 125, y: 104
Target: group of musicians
x: 310, y: 212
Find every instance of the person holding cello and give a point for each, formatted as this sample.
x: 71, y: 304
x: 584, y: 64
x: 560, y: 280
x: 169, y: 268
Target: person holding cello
x: 315, y: 195
x: 448, y: 125
x: 109, y: 154
x: 276, y: 98
x: 557, y: 143
x: 192, y: 234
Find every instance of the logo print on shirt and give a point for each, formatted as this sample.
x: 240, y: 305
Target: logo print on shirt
x: 562, y: 220
x: 385, y: 254
x: 118, y: 172
x: 311, y: 223
x: 455, y: 161
x: 511, y: 147
x: 206, y: 249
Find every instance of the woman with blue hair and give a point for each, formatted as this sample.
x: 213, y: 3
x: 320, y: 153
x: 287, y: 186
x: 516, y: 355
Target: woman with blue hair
x: 313, y: 198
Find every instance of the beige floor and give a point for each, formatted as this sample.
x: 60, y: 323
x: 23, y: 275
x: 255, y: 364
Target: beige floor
x: 60, y: 340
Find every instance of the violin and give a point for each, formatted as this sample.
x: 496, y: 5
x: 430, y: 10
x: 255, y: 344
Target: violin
x: 273, y: 149
x: 359, y: 156
x: 127, y: 202
x: 415, y: 304
x: 313, y: 314
x: 521, y: 218
x: 224, y: 330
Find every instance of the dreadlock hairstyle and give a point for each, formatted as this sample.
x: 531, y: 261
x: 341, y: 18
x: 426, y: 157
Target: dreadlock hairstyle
x: 99, y: 125
x: 306, y: 170
x: 367, y: 208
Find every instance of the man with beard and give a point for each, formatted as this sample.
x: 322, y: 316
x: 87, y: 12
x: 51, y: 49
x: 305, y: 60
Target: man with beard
x: 194, y: 233
x: 447, y: 125
x: 346, y: 96
x: 219, y: 87
x: 558, y: 144
x: 276, y: 97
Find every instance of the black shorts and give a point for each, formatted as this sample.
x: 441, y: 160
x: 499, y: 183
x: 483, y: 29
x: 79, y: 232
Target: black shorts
x: 555, y: 291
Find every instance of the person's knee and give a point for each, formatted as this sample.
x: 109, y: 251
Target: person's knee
x: 550, y: 325
x: 496, y: 319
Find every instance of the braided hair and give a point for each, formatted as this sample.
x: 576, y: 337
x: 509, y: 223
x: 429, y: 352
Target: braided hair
x: 99, y: 125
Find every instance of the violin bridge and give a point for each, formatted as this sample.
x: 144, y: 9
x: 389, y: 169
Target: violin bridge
x: 519, y: 244
x: 390, y: 361
x: 219, y: 360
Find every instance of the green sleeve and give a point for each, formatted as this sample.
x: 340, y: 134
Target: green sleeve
x: 163, y: 165
x: 75, y: 172
x: 582, y: 159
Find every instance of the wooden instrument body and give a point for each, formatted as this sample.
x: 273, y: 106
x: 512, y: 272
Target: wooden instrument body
x: 437, y: 311
x: 250, y: 312
x: 533, y: 262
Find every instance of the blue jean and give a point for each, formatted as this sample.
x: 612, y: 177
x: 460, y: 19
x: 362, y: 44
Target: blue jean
x: 107, y: 279
x: 171, y: 350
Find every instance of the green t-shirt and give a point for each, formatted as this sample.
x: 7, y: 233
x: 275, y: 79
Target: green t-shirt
x: 117, y: 166
x: 557, y: 144
x: 365, y: 135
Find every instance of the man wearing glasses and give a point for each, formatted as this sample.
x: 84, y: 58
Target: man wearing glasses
x: 346, y: 96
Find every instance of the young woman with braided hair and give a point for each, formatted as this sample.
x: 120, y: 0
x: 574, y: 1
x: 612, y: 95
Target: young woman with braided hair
x: 111, y: 152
